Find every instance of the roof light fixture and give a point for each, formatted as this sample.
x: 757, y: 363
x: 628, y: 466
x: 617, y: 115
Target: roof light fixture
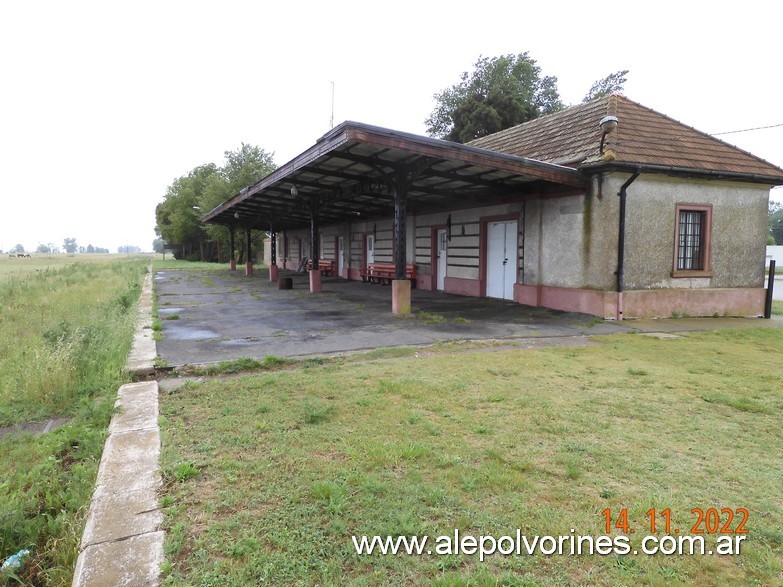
x: 608, y: 125
x: 294, y: 191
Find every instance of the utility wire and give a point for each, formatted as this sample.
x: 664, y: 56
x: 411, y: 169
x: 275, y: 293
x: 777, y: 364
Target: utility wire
x: 731, y: 132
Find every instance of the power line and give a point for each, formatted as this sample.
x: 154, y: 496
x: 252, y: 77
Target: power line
x: 731, y: 132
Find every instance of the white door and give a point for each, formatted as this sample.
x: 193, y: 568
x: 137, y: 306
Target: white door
x: 370, y: 249
x: 442, y: 258
x: 340, y: 256
x: 501, y: 259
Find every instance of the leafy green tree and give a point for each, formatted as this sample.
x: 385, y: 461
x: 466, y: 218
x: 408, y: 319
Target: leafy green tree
x: 242, y: 167
x: 501, y: 92
x: 191, y: 196
x: 70, y: 246
x: 614, y: 82
x: 42, y: 248
x: 178, y: 215
x: 775, y: 221
x: 19, y: 248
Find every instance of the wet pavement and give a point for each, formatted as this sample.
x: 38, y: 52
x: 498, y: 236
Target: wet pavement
x: 210, y: 316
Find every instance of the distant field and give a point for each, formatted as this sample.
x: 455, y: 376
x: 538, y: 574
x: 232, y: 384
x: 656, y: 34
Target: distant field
x: 43, y: 261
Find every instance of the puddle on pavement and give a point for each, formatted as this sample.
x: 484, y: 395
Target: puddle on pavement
x: 167, y: 311
x: 177, y: 332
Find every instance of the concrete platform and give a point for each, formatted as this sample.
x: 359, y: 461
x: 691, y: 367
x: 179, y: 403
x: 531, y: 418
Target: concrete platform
x: 225, y: 315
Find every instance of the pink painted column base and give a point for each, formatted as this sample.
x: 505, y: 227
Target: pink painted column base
x: 401, y: 296
x: 315, y: 281
x: 232, y: 265
x: 273, y: 273
x: 249, y: 268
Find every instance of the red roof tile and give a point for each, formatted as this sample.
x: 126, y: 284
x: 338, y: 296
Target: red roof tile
x: 643, y: 136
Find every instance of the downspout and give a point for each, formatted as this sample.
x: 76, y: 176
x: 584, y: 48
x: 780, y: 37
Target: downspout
x: 621, y: 242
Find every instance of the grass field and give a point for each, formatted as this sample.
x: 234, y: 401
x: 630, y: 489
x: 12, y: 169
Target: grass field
x: 160, y: 265
x: 270, y: 475
x: 41, y: 262
x: 65, y: 332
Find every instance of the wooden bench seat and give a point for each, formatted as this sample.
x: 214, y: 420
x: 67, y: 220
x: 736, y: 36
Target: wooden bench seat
x: 328, y: 267
x: 384, y: 273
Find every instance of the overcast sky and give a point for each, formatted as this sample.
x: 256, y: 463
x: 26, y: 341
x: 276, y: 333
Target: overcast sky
x: 103, y: 104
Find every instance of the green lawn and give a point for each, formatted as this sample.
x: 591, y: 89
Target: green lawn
x: 269, y: 475
x: 65, y: 333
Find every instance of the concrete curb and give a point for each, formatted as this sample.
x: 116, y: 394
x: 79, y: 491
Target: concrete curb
x: 141, y: 360
x: 122, y: 543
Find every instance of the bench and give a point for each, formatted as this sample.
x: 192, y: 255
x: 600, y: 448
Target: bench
x: 384, y: 273
x: 327, y: 267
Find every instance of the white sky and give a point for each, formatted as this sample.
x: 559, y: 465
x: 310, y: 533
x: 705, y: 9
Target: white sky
x: 104, y: 103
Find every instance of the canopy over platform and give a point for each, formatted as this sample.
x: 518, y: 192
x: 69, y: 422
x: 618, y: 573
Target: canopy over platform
x: 358, y: 171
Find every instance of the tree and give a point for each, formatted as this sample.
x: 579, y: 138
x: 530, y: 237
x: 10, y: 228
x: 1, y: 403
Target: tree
x: 500, y: 93
x: 178, y: 215
x: 189, y: 197
x: 775, y: 221
x: 69, y: 244
x: 42, y: 248
x: 614, y: 82
x: 19, y: 248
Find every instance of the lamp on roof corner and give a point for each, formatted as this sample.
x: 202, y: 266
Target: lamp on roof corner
x: 294, y: 191
x: 608, y: 125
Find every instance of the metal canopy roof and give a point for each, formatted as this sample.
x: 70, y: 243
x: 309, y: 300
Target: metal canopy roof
x: 348, y: 175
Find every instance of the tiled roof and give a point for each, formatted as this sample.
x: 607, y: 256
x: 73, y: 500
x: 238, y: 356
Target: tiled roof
x: 643, y: 137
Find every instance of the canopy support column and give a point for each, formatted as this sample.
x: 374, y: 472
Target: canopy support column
x: 232, y: 261
x: 315, y: 272
x: 249, y: 262
x: 272, y: 255
x: 401, y: 287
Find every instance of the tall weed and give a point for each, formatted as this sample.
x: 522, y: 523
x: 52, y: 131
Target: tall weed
x: 64, y: 338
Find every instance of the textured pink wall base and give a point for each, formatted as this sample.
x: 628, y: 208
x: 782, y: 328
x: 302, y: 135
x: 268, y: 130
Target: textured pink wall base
x: 658, y: 303
x: 587, y: 301
x: 462, y: 287
x: 665, y: 303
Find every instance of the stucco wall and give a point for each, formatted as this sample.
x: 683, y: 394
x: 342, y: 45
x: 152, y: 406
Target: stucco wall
x: 739, y: 227
x: 572, y: 241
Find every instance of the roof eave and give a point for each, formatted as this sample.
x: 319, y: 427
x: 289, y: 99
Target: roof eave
x: 684, y: 172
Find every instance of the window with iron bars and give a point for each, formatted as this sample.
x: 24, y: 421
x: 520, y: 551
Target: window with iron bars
x: 690, y: 246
